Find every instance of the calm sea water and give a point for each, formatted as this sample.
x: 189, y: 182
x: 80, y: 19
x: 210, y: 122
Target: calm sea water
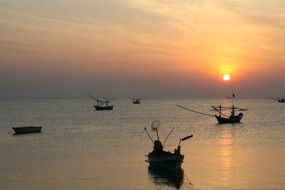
x: 80, y: 148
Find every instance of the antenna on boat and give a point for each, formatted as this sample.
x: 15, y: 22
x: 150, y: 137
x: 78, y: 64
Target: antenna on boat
x: 185, y: 138
x: 148, y: 135
x: 154, y: 126
x: 168, y: 135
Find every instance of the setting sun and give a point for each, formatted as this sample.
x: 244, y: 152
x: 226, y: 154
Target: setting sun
x: 226, y: 77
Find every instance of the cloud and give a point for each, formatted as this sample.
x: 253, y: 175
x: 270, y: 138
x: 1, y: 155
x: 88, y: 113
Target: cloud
x: 140, y: 39
x: 260, y: 13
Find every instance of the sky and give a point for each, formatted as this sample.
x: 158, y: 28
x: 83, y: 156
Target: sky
x: 150, y: 48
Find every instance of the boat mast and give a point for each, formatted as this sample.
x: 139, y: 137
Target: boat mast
x: 233, y: 96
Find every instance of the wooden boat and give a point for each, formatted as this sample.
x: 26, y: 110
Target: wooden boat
x: 102, y: 104
x: 137, y: 101
x: 27, y: 129
x: 222, y: 117
x: 104, y: 107
x: 232, y: 118
x: 279, y: 99
x: 158, y: 158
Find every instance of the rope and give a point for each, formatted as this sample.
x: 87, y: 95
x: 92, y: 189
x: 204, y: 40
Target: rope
x: 195, y: 111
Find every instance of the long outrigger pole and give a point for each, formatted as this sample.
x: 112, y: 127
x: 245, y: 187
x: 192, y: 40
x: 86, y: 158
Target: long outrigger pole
x: 233, y: 94
x: 195, y: 111
x: 93, y: 98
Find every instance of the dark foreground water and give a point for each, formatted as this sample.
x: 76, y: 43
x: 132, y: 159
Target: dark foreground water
x: 83, y: 149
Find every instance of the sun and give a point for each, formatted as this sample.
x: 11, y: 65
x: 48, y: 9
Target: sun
x: 226, y: 77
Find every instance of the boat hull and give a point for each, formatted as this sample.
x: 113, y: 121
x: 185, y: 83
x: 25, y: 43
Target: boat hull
x: 166, y: 162
x: 28, y: 129
x: 224, y: 120
x: 101, y: 108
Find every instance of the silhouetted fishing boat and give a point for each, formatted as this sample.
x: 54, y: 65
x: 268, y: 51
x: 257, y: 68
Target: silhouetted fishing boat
x: 158, y: 158
x: 220, y: 115
x: 137, y: 100
x: 103, y: 107
x: 27, y: 129
x: 102, y: 104
x: 279, y: 99
x: 232, y: 118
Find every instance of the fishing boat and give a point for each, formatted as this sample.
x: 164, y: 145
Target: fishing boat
x: 220, y: 115
x: 224, y: 118
x: 232, y: 118
x: 279, y: 99
x: 222, y: 112
x: 27, y: 129
x: 158, y: 158
x: 102, y: 104
x: 137, y: 100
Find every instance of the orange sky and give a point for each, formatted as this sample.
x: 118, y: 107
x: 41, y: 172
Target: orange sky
x: 167, y: 48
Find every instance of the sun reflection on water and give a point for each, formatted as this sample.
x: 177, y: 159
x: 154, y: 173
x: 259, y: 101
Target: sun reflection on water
x: 226, y: 155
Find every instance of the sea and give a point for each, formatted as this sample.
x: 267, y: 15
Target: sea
x: 83, y: 149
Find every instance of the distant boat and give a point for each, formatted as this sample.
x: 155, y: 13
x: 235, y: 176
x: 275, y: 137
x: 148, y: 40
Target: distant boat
x: 103, y: 107
x: 232, y: 118
x: 279, y: 99
x: 158, y: 158
x: 27, y: 129
x: 102, y: 104
x: 222, y: 117
x: 137, y: 100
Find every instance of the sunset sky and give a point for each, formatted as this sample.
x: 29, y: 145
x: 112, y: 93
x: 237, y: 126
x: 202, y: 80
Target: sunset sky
x: 155, y: 48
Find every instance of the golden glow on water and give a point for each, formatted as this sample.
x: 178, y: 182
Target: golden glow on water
x: 109, y: 154
x: 226, y: 156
